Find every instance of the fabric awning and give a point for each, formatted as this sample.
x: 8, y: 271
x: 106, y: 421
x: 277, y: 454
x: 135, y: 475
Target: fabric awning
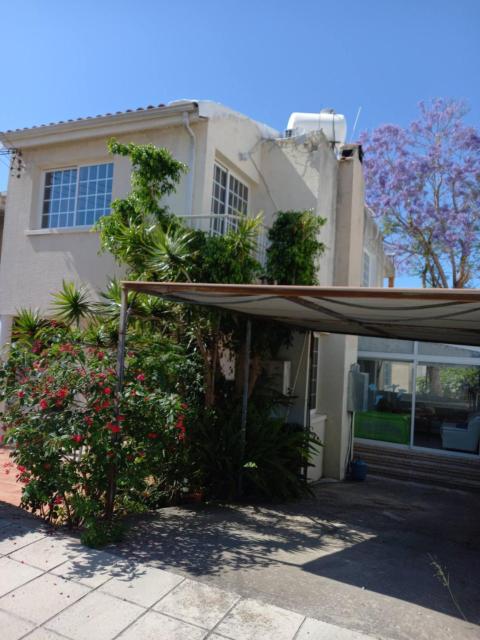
x: 432, y: 315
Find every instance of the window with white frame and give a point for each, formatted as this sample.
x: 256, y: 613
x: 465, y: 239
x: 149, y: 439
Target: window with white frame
x: 229, y: 194
x: 368, y: 269
x: 77, y: 197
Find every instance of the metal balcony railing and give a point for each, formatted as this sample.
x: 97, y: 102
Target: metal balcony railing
x: 221, y: 223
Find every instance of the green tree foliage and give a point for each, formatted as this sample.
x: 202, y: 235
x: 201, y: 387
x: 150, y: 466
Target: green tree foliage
x: 294, y: 248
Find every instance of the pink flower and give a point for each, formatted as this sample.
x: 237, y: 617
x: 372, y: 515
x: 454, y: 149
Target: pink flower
x: 141, y: 377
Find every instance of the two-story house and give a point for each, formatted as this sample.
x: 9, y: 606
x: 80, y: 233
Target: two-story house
x: 236, y: 166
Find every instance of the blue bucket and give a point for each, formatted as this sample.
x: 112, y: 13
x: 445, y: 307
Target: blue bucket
x: 358, y: 470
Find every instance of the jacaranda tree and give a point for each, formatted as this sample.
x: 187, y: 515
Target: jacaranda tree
x: 423, y: 185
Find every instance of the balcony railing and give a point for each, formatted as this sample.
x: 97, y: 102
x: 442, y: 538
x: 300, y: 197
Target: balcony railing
x: 219, y: 224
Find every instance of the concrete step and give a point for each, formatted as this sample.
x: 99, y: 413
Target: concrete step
x: 417, y: 466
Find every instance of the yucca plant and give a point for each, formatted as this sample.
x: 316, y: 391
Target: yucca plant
x: 28, y: 325
x: 170, y: 253
x: 72, y: 304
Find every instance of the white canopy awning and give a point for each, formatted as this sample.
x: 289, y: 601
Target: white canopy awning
x: 432, y: 315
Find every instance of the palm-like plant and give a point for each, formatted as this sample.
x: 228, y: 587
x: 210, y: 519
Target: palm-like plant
x: 28, y: 325
x: 170, y: 253
x: 72, y: 304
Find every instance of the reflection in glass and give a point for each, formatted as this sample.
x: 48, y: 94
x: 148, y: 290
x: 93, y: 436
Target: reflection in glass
x: 388, y: 414
x: 447, y: 407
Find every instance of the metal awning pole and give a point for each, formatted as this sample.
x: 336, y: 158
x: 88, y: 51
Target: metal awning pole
x: 243, y: 422
x: 120, y: 372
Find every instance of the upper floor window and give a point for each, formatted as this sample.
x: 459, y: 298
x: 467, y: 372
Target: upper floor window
x: 229, y: 194
x: 368, y: 270
x: 77, y: 197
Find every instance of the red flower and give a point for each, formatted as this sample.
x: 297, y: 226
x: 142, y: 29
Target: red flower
x: 121, y: 418
x: 58, y: 500
x: 100, y: 355
x: 21, y: 394
x: 77, y: 438
x: 47, y: 465
x: 114, y: 428
x: 184, y: 405
x: 141, y: 377
x: 152, y: 435
x: 110, y: 454
x: 21, y: 468
x: 105, y: 404
x: 62, y: 393
x: 107, y: 391
x: 43, y: 404
x: 88, y: 420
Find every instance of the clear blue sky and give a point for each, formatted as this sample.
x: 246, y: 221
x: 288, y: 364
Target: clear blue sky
x: 266, y: 58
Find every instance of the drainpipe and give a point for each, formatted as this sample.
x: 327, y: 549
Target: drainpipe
x: 191, y: 173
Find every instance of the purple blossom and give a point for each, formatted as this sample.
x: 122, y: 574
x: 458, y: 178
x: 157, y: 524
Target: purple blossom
x: 423, y: 185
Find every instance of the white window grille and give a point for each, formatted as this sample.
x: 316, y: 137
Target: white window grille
x: 78, y: 196
x: 229, y: 198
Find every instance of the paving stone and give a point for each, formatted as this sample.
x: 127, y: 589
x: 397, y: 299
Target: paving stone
x: 44, y: 634
x: 14, y: 574
x: 12, y: 628
x: 198, y: 603
x: 15, y: 537
x: 91, y: 568
x: 318, y: 630
x: 48, y: 552
x: 252, y: 620
x: 155, y: 626
x: 98, y: 616
x: 142, y: 584
x: 42, y: 598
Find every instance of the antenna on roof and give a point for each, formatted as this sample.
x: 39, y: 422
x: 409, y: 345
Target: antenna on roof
x: 355, y: 123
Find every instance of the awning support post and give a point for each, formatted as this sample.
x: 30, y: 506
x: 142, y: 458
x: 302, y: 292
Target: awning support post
x: 120, y: 373
x: 243, y: 422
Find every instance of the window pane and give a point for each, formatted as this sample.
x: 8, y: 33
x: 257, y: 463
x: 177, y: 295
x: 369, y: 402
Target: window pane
x: 60, y: 195
x: 389, y: 404
x: 447, y: 407
x: 448, y: 350
x: 384, y: 345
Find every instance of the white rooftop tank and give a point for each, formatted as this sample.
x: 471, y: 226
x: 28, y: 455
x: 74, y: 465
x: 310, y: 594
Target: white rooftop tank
x: 333, y: 125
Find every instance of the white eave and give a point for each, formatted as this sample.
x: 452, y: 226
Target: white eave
x: 101, y: 126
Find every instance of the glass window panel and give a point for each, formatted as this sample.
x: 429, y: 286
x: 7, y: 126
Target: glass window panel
x: 102, y: 171
x: 384, y: 345
x: 110, y: 170
x: 389, y: 401
x: 447, y: 407
x: 92, y: 172
x: 448, y: 350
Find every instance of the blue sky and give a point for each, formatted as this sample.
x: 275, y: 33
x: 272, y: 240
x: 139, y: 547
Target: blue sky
x: 266, y: 58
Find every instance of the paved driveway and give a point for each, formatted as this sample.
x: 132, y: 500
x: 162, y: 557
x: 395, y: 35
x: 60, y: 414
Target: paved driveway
x: 354, y: 560
x: 51, y: 587
x: 357, y: 555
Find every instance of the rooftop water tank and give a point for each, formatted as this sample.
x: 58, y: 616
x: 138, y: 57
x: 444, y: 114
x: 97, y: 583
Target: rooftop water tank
x: 333, y: 125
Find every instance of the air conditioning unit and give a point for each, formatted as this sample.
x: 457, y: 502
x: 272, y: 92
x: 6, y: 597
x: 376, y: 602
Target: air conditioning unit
x: 357, y: 393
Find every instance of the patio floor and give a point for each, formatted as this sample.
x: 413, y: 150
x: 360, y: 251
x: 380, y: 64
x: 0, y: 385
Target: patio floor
x: 10, y: 489
x: 355, y: 559
x: 356, y: 555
